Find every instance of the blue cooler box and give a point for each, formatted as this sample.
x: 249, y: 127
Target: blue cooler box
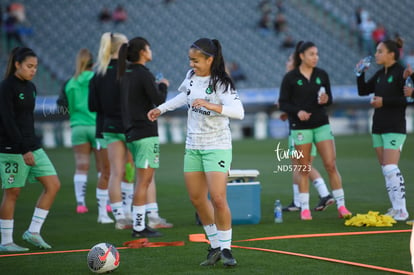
x: 243, y: 195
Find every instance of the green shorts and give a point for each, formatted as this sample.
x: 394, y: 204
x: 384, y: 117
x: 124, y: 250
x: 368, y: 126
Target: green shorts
x: 14, y: 171
x: 207, y: 160
x: 389, y: 140
x: 101, y: 143
x: 315, y: 135
x: 43, y: 167
x: 292, y: 149
x: 145, y: 152
x: 113, y: 137
x: 82, y: 134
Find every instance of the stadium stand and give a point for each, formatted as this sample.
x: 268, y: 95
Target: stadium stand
x: 62, y: 27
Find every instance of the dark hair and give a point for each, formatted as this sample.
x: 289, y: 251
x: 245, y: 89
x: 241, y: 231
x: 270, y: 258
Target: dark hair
x: 130, y: 51
x: 18, y: 54
x: 394, y: 46
x: 212, y: 48
x: 301, y: 47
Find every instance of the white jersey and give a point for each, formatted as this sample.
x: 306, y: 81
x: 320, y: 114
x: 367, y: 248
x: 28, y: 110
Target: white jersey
x: 206, y: 129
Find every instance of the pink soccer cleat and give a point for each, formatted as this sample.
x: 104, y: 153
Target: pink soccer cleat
x: 80, y: 209
x: 305, y: 215
x: 344, y: 213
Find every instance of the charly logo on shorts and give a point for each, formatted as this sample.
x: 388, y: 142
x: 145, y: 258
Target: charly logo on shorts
x: 10, y: 180
x: 300, y: 136
x: 157, y: 159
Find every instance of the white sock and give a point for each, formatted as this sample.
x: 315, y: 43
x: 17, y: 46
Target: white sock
x: 225, y: 239
x: 339, y: 197
x: 296, y: 200
x: 304, y: 201
x: 127, y: 190
x: 118, y: 210
x: 152, y: 210
x: 388, y: 184
x: 102, y: 198
x: 6, y: 228
x: 320, y: 186
x: 400, y: 192
x: 79, y: 181
x: 39, y: 217
x: 395, y: 182
x: 212, y: 235
x: 138, y: 217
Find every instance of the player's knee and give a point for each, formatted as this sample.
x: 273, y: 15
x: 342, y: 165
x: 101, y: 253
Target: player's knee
x: 198, y: 201
x: 52, y: 186
x: 219, y: 202
x: 331, y: 167
x: 84, y: 167
x: 13, y: 193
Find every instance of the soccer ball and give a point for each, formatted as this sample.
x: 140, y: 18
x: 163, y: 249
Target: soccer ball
x: 103, y: 258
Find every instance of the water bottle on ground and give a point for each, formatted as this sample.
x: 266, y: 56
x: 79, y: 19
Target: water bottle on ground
x: 409, y: 83
x: 362, y: 65
x: 278, y: 212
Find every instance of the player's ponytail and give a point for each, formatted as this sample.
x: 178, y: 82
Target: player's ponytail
x: 130, y: 52
x: 84, y: 61
x: 122, y: 60
x: 110, y: 44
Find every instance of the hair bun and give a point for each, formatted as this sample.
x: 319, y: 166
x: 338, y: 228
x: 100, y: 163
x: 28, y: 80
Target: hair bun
x: 399, y: 41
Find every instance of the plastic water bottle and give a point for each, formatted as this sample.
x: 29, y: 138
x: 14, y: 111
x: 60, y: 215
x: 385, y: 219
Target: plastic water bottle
x: 321, y: 92
x: 409, y: 83
x: 363, y: 64
x: 278, y: 212
x: 158, y: 77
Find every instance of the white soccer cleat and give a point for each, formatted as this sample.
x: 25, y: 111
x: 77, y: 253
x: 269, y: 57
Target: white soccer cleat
x: 159, y: 223
x: 401, y: 216
x: 104, y: 219
x: 123, y: 224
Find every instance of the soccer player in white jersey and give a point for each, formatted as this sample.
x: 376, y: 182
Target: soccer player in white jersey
x: 210, y: 95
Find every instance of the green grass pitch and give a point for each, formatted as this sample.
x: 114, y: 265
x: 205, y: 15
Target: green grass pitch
x: 364, y: 190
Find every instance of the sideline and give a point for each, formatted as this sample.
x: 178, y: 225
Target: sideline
x: 325, y: 235
x: 327, y: 259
